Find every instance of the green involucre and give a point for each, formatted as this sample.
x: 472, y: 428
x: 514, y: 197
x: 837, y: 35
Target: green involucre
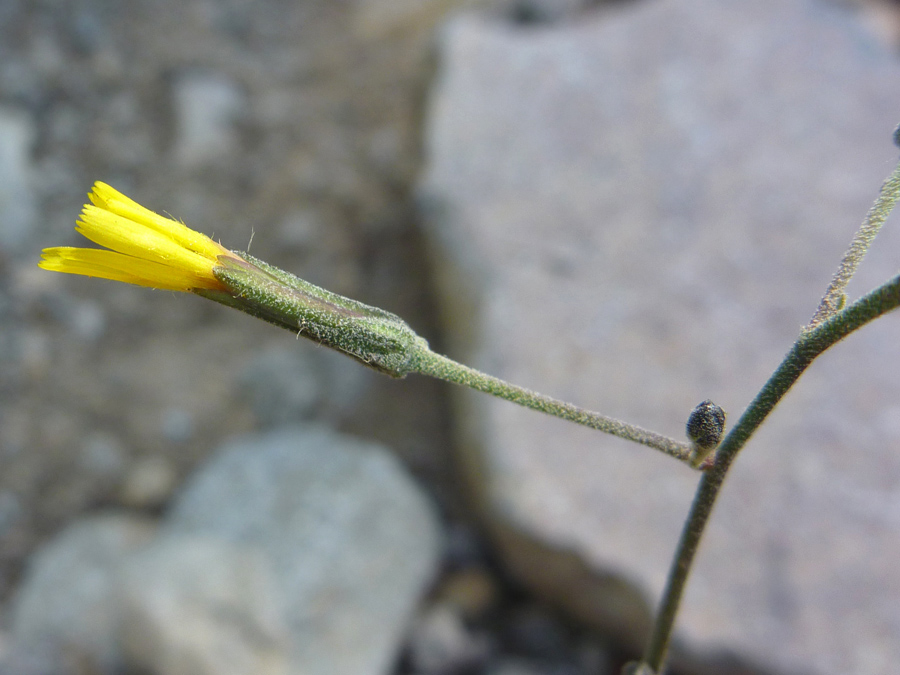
x: 377, y: 338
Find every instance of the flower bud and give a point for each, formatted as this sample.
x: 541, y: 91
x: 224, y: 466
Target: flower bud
x: 706, y: 426
x: 376, y: 338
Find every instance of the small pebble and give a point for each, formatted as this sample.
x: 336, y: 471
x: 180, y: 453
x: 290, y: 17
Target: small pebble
x: 149, y: 483
x: 473, y: 592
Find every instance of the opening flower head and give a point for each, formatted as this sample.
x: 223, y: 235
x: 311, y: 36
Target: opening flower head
x: 146, y: 249
x: 141, y: 247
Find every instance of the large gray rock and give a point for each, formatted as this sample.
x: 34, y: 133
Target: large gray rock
x: 637, y: 213
x: 202, y: 606
x: 349, y: 541
x: 68, y: 602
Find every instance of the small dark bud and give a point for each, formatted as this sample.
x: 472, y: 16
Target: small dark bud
x: 897, y: 136
x: 706, y: 425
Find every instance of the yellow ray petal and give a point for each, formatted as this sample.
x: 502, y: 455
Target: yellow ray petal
x: 144, y: 248
x: 126, y: 236
x: 121, y: 267
x: 110, y: 199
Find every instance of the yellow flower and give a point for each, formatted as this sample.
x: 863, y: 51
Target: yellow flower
x: 145, y: 248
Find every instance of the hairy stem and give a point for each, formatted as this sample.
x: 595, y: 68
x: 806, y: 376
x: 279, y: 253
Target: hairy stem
x: 441, y: 367
x: 805, y: 350
x: 833, y: 299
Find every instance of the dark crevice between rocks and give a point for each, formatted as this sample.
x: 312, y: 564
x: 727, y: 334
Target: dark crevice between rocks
x: 540, y: 13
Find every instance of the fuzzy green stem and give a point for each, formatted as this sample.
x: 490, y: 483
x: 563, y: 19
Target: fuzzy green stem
x: 430, y: 363
x: 834, y: 296
x: 810, y: 344
x: 385, y: 342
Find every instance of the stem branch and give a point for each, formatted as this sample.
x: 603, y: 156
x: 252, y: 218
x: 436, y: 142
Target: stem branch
x: 807, y: 347
x: 834, y: 296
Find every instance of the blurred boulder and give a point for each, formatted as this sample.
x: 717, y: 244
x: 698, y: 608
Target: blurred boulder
x: 348, y: 539
x: 202, y: 606
x: 67, y: 607
x: 639, y: 212
x: 149, y: 483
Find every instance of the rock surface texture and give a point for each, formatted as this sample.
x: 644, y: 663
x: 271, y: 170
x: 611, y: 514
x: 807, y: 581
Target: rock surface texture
x: 640, y: 212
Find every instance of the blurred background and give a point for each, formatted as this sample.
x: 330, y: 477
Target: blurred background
x: 134, y: 424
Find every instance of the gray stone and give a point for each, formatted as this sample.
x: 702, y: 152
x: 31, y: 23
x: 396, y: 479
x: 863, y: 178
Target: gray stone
x: 349, y: 540
x: 148, y: 483
x: 201, y: 606
x: 17, y: 199
x: 68, y: 601
x: 635, y: 214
